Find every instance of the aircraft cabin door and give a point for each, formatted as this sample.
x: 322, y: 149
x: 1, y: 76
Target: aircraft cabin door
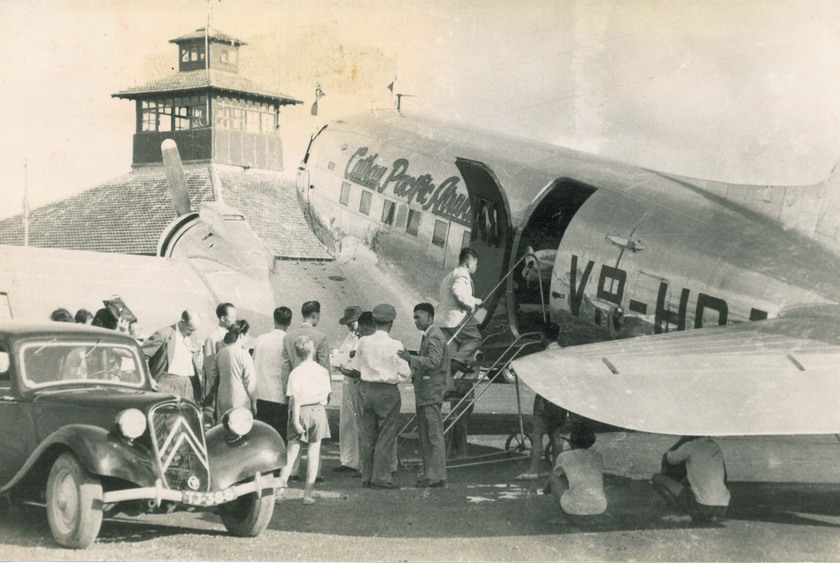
x: 490, y: 231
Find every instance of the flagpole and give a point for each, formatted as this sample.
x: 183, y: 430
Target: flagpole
x: 26, y: 202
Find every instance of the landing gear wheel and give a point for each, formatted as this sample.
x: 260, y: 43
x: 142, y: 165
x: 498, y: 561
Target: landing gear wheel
x: 518, y: 444
x: 248, y: 515
x: 74, y: 503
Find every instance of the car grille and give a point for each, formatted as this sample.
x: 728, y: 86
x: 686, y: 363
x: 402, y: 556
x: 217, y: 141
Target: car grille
x: 178, y: 439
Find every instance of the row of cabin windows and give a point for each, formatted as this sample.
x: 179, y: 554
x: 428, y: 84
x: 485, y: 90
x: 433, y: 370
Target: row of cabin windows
x: 174, y: 114
x: 248, y: 120
x: 412, y: 227
x: 196, y: 53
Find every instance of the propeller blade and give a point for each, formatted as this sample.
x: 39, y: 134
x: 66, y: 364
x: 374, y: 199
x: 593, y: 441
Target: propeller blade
x: 175, y: 177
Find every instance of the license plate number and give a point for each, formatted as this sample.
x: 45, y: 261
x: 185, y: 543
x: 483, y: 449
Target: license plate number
x: 209, y: 499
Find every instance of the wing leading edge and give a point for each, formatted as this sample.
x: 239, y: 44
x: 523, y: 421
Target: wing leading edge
x: 779, y: 376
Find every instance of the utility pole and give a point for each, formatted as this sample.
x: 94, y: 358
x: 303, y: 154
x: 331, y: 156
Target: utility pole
x: 25, y: 203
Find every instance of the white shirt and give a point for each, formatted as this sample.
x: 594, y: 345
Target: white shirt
x: 585, y: 471
x: 309, y: 384
x: 456, y: 297
x: 268, y: 362
x: 378, y: 361
x: 705, y: 468
x: 181, y: 356
x: 341, y: 357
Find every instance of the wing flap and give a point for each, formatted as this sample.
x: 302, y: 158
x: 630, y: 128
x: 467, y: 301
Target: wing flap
x: 770, y: 377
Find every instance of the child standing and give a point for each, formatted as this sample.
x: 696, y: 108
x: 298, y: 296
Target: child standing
x: 308, y: 390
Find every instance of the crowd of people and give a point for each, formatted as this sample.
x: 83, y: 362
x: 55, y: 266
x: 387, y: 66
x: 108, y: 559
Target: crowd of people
x: 286, y: 384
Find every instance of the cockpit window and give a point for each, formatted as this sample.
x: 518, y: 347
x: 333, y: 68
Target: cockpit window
x: 54, y: 363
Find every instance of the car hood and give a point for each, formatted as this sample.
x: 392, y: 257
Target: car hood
x: 56, y: 408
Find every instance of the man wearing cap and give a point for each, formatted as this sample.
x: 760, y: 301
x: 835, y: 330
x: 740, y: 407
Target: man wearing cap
x: 381, y: 370
x: 350, y: 400
x: 428, y: 374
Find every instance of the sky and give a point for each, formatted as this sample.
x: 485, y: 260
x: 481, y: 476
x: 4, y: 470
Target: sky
x: 746, y: 92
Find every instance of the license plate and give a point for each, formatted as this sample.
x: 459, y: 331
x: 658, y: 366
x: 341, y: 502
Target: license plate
x: 209, y: 499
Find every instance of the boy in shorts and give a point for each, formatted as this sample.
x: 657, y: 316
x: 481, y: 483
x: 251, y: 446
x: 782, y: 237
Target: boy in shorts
x: 308, y: 390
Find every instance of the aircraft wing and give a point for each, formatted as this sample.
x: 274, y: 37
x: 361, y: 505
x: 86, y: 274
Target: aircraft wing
x: 779, y: 376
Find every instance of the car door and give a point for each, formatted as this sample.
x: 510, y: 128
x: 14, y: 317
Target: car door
x: 14, y: 445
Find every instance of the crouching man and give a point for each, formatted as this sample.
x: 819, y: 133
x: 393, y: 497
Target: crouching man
x: 693, y: 479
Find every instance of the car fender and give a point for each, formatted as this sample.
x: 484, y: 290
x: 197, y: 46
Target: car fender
x: 99, y: 451
x: 232, y: 461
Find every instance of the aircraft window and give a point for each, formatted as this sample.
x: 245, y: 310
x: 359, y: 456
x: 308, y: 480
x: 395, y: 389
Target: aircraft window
x: 388, y: 211
x: 465, y: 239
x: 364, y: 206
x: 413, y: 225
x: 441, y: 230
x: 344, y: 199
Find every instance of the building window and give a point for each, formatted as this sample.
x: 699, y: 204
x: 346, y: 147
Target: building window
x: 439, y: 236
x: 149, y: 116
x: 364, y: 206
x: 344, y: 199
x: 185, y: 55
x: 388, y: 212
x: 267, y: 120
x: 237, y: 119
x: 223, y: 56
x: 252, y: 122
x: 198, y: 117
x: 465, y: 239
x: 182, y: 118
x: 413, y: 225
x: 165, y: 115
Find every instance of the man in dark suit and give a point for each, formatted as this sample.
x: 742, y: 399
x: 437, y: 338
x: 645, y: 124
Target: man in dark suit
x: 172, y: 355
x: 428, y: 374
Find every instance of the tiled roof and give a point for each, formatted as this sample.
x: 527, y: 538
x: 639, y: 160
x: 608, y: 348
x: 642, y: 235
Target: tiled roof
x: 215, y: 35
x: 269, y: 202
x: 127, y: 214
x: 202, y: 79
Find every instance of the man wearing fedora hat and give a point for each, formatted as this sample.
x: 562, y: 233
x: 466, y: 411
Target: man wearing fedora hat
x: 350, y: 400
x: 381, y: 370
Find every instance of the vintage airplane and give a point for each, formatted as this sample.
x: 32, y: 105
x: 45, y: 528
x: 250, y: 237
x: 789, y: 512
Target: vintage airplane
x: 205, y: 257
x: 635, y: 253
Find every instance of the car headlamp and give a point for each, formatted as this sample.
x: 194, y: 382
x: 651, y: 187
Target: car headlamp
x: 131, y: 423
x: 238, y: 421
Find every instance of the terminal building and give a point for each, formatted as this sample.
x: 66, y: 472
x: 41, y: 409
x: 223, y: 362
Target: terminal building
x: 228, y: 135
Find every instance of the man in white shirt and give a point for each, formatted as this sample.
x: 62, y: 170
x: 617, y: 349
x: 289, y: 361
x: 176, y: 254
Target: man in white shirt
x: 457, y: 303
x: 350, y: 400
x: 381, y: 370
x: 226, y: 313
x: 171, y: 352
x: 268, y: 363
x: 693, y: 478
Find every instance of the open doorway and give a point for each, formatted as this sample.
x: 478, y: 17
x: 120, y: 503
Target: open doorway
x: 543, y: 232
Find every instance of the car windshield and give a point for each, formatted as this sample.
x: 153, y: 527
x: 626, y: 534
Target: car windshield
x: 54, y: 362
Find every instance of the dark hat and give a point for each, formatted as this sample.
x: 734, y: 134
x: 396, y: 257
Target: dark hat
x: 384, y: 313
x: 351, y: 314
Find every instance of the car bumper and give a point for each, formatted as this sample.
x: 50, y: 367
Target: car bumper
x: 261, y: 484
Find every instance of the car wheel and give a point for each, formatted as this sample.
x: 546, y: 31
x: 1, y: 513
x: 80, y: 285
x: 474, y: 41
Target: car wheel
x: 248, y: 515
x: 74, y: 503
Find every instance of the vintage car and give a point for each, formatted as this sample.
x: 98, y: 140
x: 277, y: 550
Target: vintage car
x: 83, y: 432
